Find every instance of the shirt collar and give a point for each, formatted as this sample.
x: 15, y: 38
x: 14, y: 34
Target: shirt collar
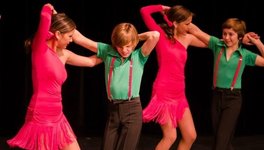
x: 222, y: 44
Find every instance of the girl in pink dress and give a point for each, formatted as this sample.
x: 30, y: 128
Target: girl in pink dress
x: 169, y: 106
x: 46, y: 127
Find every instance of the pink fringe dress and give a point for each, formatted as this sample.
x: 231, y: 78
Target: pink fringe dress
x: 45, y: 125
x: 168, y: 101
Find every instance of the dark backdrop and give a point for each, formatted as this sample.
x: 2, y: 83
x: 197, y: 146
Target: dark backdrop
x: 84, y: 95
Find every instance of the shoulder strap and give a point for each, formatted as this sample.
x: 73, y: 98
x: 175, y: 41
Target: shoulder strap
x: 110, y: 79
x: 216, y: 69
x: 237, y: 72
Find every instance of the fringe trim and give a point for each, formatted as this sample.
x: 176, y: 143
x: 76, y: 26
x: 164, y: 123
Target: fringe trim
x: 34, y: 136
x: 162, y: 112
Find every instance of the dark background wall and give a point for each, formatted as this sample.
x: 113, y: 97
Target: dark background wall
x: 84, y: 95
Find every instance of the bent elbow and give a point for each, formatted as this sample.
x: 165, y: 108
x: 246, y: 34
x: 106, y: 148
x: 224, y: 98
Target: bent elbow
x: 156, y: 34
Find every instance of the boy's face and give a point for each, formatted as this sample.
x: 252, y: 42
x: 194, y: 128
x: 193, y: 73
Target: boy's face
x: 230, y: 37
x: 125, y: 50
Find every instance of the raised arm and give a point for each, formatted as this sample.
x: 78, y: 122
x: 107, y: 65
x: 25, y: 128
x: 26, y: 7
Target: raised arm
x: 85, y: 42
x: 82, y: 61
x: 151, y: 38
x: 258, y: 43
x: 146, y: 13
x: 43, y: 28
x: 199, y: 34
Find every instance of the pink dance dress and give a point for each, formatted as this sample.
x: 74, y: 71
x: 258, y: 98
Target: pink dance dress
x: 168, y: 100
x: 45, y: 125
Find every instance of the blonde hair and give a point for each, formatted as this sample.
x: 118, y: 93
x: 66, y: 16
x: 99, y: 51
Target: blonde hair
x: 123, y: 34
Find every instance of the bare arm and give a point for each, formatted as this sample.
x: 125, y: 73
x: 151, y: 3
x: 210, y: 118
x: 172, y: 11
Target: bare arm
x: 151, y: 38
x: 197, y: 42
x: 85, y: 42
x: 257, y: 42
x: 247, y: 41
x: 200, y: 36
x: 82, y: 61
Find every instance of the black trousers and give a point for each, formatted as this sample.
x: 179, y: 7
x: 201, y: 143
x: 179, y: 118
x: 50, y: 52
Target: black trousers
x: 123, y: 126
x: 226, y: 106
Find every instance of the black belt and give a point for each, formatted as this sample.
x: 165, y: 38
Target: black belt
x: 117, y: 101
x: 226, y: 89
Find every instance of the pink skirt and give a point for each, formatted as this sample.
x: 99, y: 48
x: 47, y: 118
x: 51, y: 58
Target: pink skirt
x: 44, y: 128
x: 164, y: 107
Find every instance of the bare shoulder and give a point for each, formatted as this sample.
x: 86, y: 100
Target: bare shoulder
x: 65, y: 53
x: 186, y: 39
x: 190, y: 37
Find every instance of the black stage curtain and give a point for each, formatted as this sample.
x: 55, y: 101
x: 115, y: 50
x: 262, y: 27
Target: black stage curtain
x: 84, y: 94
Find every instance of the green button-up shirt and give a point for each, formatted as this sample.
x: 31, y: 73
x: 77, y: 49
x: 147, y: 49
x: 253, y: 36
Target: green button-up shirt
x: 120, y: 76
x: 227, y: 68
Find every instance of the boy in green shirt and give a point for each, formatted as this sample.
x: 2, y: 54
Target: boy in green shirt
x: 230, y: 59
x: 124, y: 66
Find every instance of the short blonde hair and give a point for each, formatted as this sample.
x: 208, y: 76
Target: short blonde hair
x: 123, y: 34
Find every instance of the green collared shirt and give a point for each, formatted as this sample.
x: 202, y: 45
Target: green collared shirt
x: 227, y: 68
x: 120, y: 75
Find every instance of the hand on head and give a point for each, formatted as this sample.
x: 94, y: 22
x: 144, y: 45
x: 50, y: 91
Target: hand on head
x: 192, y: 28
x: 51, y: 7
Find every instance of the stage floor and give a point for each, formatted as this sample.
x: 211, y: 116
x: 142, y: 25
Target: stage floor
x: 148, y: 142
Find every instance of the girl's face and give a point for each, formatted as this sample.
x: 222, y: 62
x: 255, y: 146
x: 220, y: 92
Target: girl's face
x: 125, y: 50
x: 64, y: 39
x: 230, y: 37
x: 182, y: 27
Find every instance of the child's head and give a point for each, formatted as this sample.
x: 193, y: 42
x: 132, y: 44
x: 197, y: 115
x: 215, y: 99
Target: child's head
x: 124, y: 38
x: 62, y: 23
x: 63, y: 28
x: 180, y: 17
x: 178, y: 13
x: 239, y: 26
